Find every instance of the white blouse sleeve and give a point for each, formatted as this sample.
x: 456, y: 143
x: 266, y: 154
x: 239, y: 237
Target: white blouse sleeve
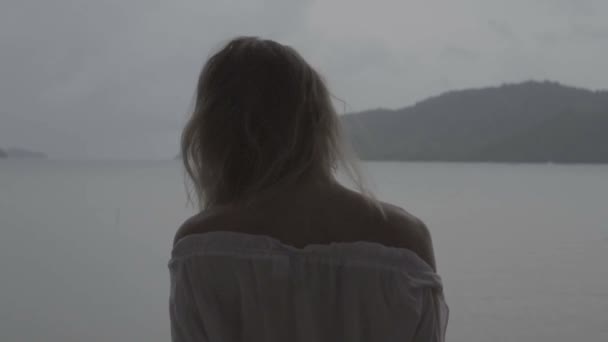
x: 186, y: 323
x: 433, y: 318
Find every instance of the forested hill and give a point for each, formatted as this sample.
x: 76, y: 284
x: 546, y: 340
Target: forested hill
x: 524, y: 122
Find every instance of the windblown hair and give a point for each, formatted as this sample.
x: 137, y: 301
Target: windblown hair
x: 262, y: 117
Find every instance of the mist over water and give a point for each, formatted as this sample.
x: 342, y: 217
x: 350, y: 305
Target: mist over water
x: 521, y: 248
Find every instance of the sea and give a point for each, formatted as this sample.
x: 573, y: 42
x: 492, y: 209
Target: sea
x: 522, y: 248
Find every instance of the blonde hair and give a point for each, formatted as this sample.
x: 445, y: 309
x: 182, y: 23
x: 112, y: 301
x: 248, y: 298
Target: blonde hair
x: 262, y: 117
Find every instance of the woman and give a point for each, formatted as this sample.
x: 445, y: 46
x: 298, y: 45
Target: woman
x: 281, y: 250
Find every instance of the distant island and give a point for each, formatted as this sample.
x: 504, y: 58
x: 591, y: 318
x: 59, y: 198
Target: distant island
x: 19, y: 153
x: 530, y: 122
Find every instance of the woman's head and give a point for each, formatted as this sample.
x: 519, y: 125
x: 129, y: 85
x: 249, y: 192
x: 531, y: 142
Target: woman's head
x: 262, y: 117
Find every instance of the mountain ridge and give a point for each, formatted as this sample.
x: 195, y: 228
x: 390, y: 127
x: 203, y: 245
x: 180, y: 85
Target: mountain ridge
x: 563, y: 124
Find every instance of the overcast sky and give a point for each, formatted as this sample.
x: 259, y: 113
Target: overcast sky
x: 115, y: 78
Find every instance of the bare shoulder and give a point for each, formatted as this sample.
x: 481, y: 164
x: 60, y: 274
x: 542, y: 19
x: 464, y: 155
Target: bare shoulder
x: 404, y: 223
x: 396, y: 228
x: 408, y: 231
x: 203, y: 222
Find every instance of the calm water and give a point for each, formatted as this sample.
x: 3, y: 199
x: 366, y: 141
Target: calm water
x: 523, y: 249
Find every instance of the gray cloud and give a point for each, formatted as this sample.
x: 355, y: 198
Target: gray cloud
x: 501, y: 29
x: 455, y: 53
x: 115, y: 78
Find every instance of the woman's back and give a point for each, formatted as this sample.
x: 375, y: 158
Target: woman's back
x: 314, y: 264
x: 239, y: 287
x: 318, y: 213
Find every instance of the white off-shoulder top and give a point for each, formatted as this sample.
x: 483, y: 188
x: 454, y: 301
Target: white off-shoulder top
x: 233, y: 287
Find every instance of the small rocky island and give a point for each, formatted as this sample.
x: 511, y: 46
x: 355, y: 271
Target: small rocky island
x: 20, y: 153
